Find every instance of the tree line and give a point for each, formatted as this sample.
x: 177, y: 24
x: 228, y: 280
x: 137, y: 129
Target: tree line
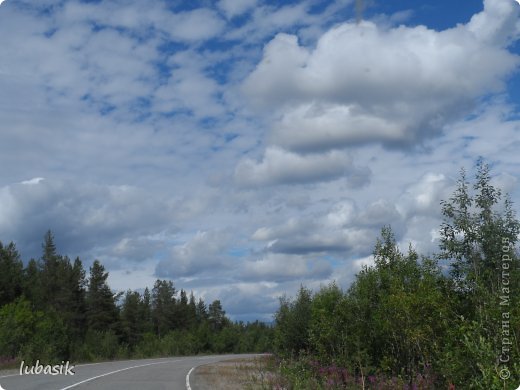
x: 448, y: 320
x: 444, y: 321
x: 52, y: 310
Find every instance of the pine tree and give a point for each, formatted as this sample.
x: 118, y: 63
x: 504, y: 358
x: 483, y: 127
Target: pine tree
x: 216, y: 315
x: 32, y: 284
x: 102, y: 312
x: 201, y: 311
x: 132, y: 317
x: 146, y: 311
x: 75, y: 299
x: 183, y: 311
x: 11, y: 277
x: 51, y: 276
x: 163, y: 306
x: 192, y: 311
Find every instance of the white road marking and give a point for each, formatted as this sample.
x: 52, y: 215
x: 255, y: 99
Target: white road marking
x: 116, y: 361
x: 188, y: 387
x: 92, y: 364
x: 114, y: 372
x: 7, y: 376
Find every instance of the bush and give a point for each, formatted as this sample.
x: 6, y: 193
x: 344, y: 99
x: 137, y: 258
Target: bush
x: 32, y: 335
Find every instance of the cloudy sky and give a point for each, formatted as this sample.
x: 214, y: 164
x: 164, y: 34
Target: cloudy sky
x: 243, y: 147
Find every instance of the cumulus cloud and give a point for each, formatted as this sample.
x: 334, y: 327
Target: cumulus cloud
x: 243, y: 299
x: 342, y: 230
x: 188, y: 88
x: 282, y: 267
x: 202, y: 253
x: 284, y: 167
x: 81, y: 216
x: 397, y: 86
x: 321, y: 127
x: 498, y: 24
x: 137, y: 248
x: 424, y: 197
x: 379, y: 213
x: 310, y: 243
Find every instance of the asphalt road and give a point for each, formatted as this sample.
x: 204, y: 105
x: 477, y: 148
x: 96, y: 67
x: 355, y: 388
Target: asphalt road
x: 153, y: 374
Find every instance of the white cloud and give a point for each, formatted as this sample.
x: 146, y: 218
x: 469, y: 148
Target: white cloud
x: 186, y: 26
x: 324, y: 127
x: 189, y: 88
x: 397, y: 86
x: 342, y: 214
x: 367, y: 261
x: 282, y: 267
x: 291, y: 227
x: 81, y: 216
x: 33, y: 181
x: 267, y: 20
x: 235, y: 7
x: 341, y: 230
x: 379, y: 213
x: 424, y: 197
x: 140, y: 248
x: 498, y: 24
x: 196, y: 25
x: 202, y: 253
x: 283, y: 167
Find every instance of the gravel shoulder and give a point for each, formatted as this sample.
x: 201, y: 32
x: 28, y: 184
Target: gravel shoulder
x: 9, y: 372
x: 233, y: 374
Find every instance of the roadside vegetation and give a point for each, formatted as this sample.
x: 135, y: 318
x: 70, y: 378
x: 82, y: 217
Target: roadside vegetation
x: 52, y: 311
x: 447, y: 321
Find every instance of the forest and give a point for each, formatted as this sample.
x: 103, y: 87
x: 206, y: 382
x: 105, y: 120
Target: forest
x: 448, y: 320
x: 50, y: 310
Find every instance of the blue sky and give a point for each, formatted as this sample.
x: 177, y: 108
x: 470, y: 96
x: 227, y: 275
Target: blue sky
x: 243, y: 147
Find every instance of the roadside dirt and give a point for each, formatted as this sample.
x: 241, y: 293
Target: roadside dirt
x: 234, y: 374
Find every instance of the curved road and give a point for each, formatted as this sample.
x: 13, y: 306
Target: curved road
x: 153, y: 374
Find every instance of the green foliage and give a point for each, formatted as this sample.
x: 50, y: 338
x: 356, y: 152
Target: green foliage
x: 216, y: 316
x: 293, y: 323
x: 326, y: 319
x: 150, y: 345
x: 403, y: 322
x: 31, y: 335
x: 31, y: 284
x: 102, y: 312
x: 132, y: 318
x: 472, y: 234
x: 254, y: 337
x: 16, y: 327
x: 50, y: 312
x: 163, y: 304
x: 11, y: 277
x: 99, y: 345
x: 49, y: 341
